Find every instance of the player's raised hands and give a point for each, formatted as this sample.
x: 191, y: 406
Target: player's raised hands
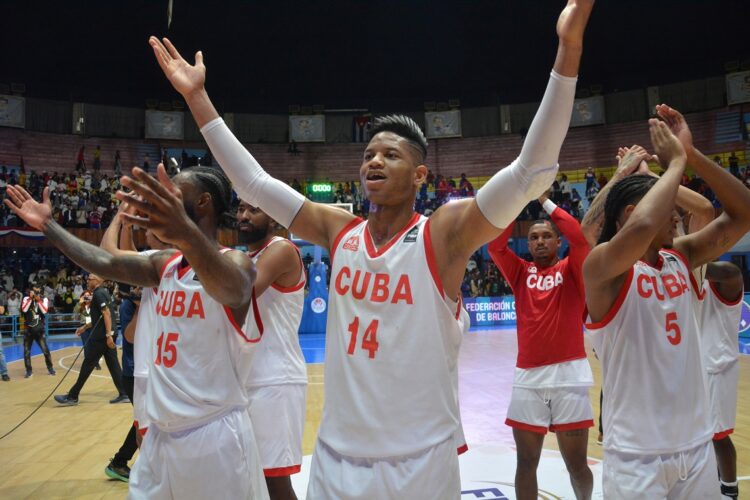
x: 185, y: 78
x: 630, y: 160
x: 677, y: 124
x: 35, y: 214
x: 158, y: 204
x: 572, y: 22
x: 668, y: 148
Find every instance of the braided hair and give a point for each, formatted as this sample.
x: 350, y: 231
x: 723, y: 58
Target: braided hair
x: 405, y: 127
x: 214, y: 182
x: 627, y: 191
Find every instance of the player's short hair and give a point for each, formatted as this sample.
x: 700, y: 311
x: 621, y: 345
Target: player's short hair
x: 627, y: 191
x: 214, y: 182
x: 405, y: 127
x: 546, y: 222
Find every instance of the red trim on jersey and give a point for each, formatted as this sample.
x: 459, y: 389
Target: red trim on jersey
x: 659, y: 263
x: 143, y: 431
x: 431, y: 261
x: 458, y: 306
x: 166, y: 264
x: 256, y: 315
x: 697, y: 288
x: 351, y: 225
x: 282, y: 471
x: 722, y: 299
x: 572, y: 426
x: 256, y: 252
x: 182, y: 271
x: 679, y: 255
x: 462, y: 449
x: 723, y: 434
x: 303, y: 279
x: 536, y: 429
x: 616, y: 305
x: 370, y: 245
x: 288, y: 289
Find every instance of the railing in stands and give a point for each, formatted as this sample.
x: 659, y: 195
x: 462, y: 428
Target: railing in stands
x: 57, y: 325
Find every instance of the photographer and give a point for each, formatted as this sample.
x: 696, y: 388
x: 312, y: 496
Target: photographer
x: 83, y: 310
x: 34, y: 308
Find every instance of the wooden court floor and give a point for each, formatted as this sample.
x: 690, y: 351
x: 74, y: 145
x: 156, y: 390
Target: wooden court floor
x: 61, y: 452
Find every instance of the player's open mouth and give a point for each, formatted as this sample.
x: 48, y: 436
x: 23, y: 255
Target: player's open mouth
x: 243, y: 226
x: 375, y: 176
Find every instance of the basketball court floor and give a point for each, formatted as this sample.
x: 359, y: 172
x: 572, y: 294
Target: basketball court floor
x: 61, y: 452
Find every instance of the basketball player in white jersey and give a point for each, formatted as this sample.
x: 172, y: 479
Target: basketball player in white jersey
x: 657, y: 424
x: 200, y: 438
x: 118, y: 240
x: 277, y: 382
x: 720, y: 314
x: 394, y: 327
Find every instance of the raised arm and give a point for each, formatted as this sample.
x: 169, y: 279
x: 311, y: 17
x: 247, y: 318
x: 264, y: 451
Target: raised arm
x: 132, y: 269
x: 504, y: 258
x: 628, y: 161
x: 279, y: 265
x: 607, y: 264
x: 315, y: 222
x: 571, y: 229
x: 722, y: 233
x: 118, y: 238
x: 228, y: 277
x: 461, y: 227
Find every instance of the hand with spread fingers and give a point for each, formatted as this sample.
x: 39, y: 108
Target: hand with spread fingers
x: 35, y: 214
x: 185, y: 78
x: 159, y: 205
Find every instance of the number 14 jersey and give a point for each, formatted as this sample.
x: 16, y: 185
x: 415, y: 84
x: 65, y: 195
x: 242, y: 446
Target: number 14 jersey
x: 392, y: 346
x: 655, y: 392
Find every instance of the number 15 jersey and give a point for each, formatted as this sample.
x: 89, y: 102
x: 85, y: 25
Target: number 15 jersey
x: 392, y: 346
x: 655, y: 390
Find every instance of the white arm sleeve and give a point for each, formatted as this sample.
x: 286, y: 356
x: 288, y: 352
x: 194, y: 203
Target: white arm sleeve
x: 508, y: 191
x: 252, y: 183
x: 549, y: 206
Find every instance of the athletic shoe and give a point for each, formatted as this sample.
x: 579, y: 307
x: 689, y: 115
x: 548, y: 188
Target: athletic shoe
x: 28, y: 375
x: 65, y: 400
x: 119, y: 472
x: 600, y: 439
x: 122, y: 398
x: 6, y: 378
x: 52, y: 371
x: 98, y: 366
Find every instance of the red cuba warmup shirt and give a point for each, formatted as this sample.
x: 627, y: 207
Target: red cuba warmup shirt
x: 549, y: 301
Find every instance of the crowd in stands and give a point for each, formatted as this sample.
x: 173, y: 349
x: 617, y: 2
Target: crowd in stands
x: 85, y: 198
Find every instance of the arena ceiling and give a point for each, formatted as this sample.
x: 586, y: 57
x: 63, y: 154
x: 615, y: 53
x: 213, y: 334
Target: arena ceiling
x: 381, y: 55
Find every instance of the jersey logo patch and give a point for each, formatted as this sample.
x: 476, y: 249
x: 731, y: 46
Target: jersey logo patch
x: 352, y: 243
x: 411, y: 236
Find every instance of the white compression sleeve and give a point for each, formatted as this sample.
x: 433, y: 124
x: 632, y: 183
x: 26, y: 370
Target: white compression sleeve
x: 533, y: 172
x: 252, y: 183
x: 549, y: 206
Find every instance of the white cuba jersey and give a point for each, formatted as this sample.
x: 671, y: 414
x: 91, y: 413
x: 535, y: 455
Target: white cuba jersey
x: 201, y: 356
x: 392, y: 346
x: 142, y: 350
x: 655, y: 389
x: 719, y: 324
x: 278, y: 359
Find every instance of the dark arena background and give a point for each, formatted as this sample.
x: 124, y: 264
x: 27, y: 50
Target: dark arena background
x: 300, y: 83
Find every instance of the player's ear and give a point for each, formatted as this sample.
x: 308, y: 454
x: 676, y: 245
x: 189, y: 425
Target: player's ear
x: 420, y: 174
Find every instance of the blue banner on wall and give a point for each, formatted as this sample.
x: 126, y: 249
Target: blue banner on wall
x: 491, y: 311
x: 745, y: 318
x: 315, y: 312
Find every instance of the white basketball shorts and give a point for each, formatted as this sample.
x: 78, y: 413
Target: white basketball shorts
x: 218, y: 458
x: 278, y: 416
x: 556, y: 409
x: 722, y: 392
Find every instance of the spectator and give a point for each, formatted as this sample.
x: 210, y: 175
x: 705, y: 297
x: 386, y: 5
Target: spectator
x: 564, y: 186
x: 80, y: 160
x: 146, y: 163
x: 14, y: 303
x: 734, y: 167
x: 602, y: 180
x: 118, y: 164
x: 97, y: 158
